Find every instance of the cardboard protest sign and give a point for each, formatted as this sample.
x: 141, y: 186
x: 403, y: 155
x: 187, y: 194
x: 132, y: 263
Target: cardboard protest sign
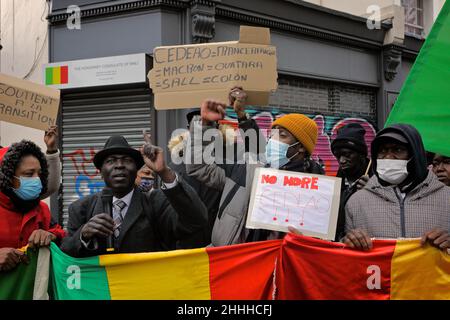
x: 309, y: 202
x: 183, y: 76
x: 27, y: 103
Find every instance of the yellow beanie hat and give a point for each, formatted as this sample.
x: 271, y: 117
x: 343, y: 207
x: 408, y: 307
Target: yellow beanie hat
x: 301, y: 127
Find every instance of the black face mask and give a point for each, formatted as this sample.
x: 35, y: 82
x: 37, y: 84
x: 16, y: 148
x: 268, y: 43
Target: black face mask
x: 22, y: 206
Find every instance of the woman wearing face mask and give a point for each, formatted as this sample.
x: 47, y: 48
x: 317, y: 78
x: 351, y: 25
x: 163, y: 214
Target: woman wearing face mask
x: 403, y: 199
x: 24, y: 218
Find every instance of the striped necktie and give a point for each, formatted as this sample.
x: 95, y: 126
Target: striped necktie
x: 119, y: 205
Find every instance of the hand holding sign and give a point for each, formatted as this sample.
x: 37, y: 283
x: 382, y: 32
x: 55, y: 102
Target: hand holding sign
x: 301, y: 203
x: 183, y: 75
x: 212, y: 110
x: 238, y: 99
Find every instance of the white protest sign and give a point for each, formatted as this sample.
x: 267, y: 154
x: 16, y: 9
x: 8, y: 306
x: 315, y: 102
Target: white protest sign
x: 308, y: 202
x: 27, y: 103
x: 183, y: 76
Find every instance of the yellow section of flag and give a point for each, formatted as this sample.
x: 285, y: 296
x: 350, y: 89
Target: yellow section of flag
x: 173, y: 275
x: 419, y: 273
x: 57, y: 75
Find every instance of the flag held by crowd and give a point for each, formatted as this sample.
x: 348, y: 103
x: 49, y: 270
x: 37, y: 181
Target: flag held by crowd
x: 296, y: 267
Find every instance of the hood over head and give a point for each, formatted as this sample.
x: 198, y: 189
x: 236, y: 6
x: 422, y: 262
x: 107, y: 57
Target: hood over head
x: 409, y: 136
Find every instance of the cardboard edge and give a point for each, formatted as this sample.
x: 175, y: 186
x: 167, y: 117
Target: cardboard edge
x: 30, y: 86
x: 330, y: 235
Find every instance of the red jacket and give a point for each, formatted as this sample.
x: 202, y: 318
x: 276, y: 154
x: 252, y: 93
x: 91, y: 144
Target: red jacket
x: 16, y: 228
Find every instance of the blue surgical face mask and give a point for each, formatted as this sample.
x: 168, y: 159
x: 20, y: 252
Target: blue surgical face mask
x: 276, y: 153
x: 30, y: 188
x: 146, y: 184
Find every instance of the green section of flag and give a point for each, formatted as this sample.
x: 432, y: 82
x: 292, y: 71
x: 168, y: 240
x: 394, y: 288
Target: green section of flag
x: 48, y: 76
x: 77, y: 278
x: 424, y: 100
x: 18, y: 284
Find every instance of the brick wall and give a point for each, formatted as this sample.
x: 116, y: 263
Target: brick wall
x: 326, y: 98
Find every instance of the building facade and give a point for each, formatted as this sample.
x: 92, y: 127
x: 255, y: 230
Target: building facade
x: 332, y: 66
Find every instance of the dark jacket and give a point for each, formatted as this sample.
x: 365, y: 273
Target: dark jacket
x: 346, y: 192
x: 155, y: 221
x: 210, y: 197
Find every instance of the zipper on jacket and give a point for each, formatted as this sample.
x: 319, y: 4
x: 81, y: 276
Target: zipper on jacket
x: 402, y: 212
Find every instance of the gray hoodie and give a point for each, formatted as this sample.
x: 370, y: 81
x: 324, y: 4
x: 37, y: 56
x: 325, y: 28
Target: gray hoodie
x: 418, y: 205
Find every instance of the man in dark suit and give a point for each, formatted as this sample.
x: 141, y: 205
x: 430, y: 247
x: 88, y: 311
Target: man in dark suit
x: 141, y: 222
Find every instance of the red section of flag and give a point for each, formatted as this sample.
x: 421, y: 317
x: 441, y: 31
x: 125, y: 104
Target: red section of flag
x: 64, y: 74
x: 243, y: 272
x: 309, y: 268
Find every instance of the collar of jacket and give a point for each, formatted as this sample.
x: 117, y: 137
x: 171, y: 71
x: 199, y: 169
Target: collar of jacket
x: 309, y: 166
x: 429, y: 185
x: 9, y: 200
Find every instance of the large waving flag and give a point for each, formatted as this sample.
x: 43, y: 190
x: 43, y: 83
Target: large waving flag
x: 424, y: 100
x: 27, y: 281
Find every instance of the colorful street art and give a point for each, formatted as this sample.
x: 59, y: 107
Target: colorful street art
x: 87, y: 178
x: 88, y: 181
x: 327, y: 127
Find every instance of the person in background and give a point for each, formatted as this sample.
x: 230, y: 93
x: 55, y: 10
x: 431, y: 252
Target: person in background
x: 441, y: 168
x: 24, y: 218
x: 403, y: 199
x: 145, y: 180
x: 350, y: 150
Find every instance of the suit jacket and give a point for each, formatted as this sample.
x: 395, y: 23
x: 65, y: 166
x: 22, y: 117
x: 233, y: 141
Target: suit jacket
x: 155, y: 221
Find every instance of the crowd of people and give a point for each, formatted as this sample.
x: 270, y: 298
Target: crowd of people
x: 160, y: 206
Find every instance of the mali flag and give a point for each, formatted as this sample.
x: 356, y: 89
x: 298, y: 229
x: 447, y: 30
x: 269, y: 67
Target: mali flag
x: 56, y: 75
x: 296, y: 267
x: 234, y: 272
x: 394, y: 269
x: 424, y: 100
x: 27, y: 281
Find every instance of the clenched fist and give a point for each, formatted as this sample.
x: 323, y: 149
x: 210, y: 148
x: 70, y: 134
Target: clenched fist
x: 211, y: 111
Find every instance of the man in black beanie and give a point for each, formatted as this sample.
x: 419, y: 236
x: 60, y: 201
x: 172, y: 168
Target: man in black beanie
x: 350, y: 150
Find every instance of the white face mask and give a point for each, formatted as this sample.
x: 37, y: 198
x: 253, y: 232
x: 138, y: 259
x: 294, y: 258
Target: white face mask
x: 392, y: 171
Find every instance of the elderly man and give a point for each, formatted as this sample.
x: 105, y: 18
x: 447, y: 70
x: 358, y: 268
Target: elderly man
x: 141, y: 222
x: 403, y: 199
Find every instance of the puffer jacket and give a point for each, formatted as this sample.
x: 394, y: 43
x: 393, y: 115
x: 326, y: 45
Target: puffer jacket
x: 384, y: 213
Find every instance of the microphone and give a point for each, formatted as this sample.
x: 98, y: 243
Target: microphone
x: 107, y: 196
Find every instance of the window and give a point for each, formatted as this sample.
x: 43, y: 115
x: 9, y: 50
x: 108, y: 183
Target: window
x: 413, y: 17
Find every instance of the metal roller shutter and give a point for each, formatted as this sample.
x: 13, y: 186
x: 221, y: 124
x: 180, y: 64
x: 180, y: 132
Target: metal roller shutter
x: 88, y: 120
